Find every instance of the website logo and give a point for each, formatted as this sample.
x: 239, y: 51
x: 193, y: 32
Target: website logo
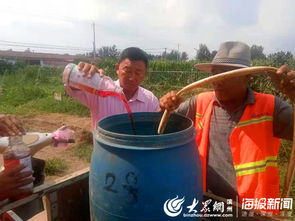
x: 173, y: 207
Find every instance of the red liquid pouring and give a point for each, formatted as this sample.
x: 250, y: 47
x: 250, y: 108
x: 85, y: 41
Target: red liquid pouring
x: 106, y: 94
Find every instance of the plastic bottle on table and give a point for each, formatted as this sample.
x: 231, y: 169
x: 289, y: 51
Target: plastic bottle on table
x: 18, y: 153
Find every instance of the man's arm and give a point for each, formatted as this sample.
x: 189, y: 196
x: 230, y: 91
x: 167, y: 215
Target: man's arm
x: 172, y: 102
x: 81, y: 96
x: 78, y: 95
x: 188, y: 108
x: 284, y: 81
x: 283, y: 120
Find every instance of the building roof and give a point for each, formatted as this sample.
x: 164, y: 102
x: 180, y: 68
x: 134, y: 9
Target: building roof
x: 44, y: 56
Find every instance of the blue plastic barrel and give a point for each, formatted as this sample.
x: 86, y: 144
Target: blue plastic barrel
x: 145, y: 176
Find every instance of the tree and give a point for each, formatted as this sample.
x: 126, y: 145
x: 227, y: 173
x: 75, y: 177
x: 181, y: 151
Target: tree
x: 154, y: 57
x: 213, y: 53
x: 280, y: 58
x: 108, y: 51
x: 173, y: 55
x: 257, y: 52
x: 184, y: 56
x: 203, y: 53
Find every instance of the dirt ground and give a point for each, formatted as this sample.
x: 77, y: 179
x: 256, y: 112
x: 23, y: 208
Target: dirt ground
x: 51, y: 122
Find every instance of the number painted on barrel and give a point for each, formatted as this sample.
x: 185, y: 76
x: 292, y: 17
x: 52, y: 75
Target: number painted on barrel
x: 131, y: 180
x: 130, y: 185
x: 110, y: 181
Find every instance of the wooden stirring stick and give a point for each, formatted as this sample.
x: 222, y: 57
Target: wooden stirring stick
x: 212, y: 79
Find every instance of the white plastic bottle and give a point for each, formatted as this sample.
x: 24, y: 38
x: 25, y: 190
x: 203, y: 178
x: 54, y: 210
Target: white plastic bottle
x: 74, y: 78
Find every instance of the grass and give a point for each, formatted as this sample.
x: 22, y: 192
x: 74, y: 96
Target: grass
x: 30, y: 91
x: 83, y: 151
x: 55, y: 166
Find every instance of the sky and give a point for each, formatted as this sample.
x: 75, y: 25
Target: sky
x: 66, y: 26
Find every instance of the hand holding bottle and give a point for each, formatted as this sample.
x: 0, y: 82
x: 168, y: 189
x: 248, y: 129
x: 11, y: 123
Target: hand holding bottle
x: 12, y: 181
x: 15, y: 155
x: 89, y: 70
x: 9, y: 126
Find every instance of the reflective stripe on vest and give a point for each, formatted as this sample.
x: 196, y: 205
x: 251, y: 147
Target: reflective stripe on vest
x: 255, y: 121
x: 255, y: 167
x: 253, y: 147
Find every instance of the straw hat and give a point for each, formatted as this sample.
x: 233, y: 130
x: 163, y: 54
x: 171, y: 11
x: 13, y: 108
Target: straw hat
x: 230, y: 54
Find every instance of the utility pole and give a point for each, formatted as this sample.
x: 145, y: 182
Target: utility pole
x: 165, y: 53
x: 196, y: 53
x: 197, y: 49
x: 94, y: 50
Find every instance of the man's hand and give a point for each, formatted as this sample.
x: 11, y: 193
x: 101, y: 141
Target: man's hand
x: 9, y: 126
x: 12, y: 180
x: 89, y: 69
x: 284, y: 81
x: 170, y: 101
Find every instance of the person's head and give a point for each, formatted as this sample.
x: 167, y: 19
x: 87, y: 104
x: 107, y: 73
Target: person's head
x: 230, y: 56
x: 132, y: 68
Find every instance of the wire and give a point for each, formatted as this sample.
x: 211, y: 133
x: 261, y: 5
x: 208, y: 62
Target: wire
x: 151, y: 49
x: 47, y: 46
x: 71, y: 49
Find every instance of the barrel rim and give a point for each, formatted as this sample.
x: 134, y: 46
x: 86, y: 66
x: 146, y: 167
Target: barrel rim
x: 144, y: 142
